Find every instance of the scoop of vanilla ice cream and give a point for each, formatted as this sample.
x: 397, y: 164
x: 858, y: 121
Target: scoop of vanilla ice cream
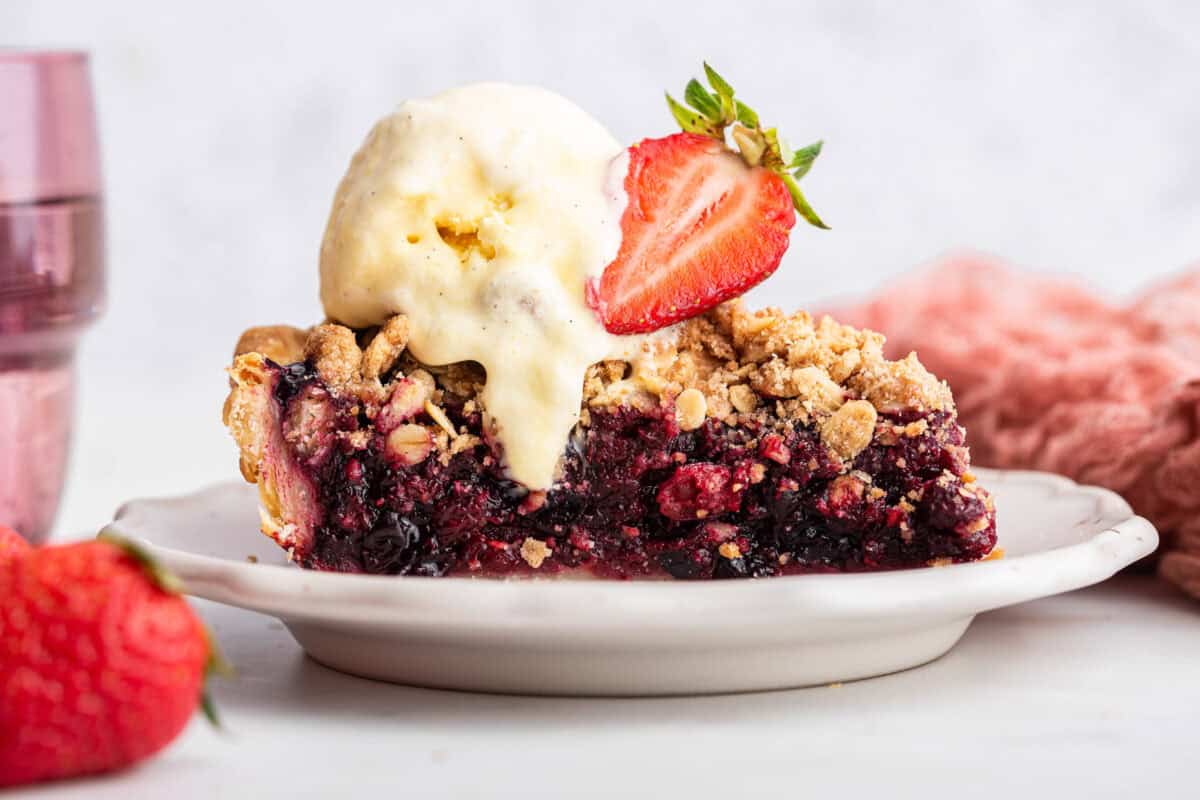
x: 481, y: 213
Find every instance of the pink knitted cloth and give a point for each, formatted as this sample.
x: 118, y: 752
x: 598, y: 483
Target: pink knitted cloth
x: 1049, y: 376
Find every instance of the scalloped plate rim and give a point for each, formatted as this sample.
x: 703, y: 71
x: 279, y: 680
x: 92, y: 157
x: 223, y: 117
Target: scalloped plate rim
x: 415, y: 602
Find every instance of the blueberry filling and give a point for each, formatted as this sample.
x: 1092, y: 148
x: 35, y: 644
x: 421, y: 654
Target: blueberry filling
x: 637, y: 497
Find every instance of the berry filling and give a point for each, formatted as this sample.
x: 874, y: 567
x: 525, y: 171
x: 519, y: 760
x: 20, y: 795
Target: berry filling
x: 637, y: 495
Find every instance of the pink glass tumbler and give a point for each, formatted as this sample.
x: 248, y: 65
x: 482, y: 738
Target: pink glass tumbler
x: 51, y: 271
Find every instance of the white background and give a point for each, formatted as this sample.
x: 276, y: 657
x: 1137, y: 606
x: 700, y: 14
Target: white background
x: 1062, y: 138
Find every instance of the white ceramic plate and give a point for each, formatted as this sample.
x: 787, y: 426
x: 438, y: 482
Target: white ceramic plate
x: 642, y: 638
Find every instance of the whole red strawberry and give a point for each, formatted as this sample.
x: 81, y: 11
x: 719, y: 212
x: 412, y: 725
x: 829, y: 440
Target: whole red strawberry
x: 704, y: 223
x: 12, y: 544
x: 100, y: 665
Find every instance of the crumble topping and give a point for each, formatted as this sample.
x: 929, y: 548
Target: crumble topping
x: 439, y: 416
x: 283, y: 344
x: 825, y: 373
x: 812, y: 385
x: 850, y: 429
x: 743, y: 398
x: 729, y: 364
x: 729, y: 550
x: 903, y: 384
x: 691, y: 408
x: 335, y: 353
x: 535, y: 552
x: 409, y: 444
x: 385, y: 348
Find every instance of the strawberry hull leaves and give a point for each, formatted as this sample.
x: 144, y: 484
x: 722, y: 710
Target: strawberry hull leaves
x: 803, y: 159
x: 711, y: 113
x: 701, y: 100
x: 691, y: 121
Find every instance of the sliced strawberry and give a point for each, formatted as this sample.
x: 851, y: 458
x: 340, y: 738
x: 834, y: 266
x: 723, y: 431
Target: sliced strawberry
x: 703, y: 223
x: 701, y: 227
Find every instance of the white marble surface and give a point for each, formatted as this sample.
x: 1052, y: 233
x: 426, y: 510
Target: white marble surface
x: 1091, y: 694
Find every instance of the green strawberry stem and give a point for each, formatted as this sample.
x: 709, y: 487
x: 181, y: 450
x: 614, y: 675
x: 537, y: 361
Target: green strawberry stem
x: 209, y: 709
x: 710, y: 113
x: 216, y: 665
x: 159, y: 575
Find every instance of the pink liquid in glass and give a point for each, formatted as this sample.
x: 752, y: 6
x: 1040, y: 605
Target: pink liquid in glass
x: 35, y: 426
x: 51, y: 272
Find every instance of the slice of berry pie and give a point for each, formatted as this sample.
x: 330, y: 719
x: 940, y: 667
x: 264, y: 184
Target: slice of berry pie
x: 536, y: 362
